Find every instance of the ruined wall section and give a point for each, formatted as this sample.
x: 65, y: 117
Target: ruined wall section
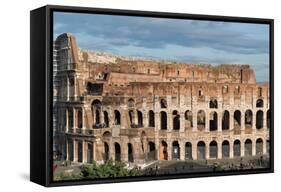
x: 124, y: 71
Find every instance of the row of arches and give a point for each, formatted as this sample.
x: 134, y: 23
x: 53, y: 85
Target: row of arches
x: 71, y: 115
x: 136, y: 118
x: 213, y: 119
x: 102, y: 120
x: 101, y: 117
x: 117, y: 152
x: 213, y: 149
x: 202, y: 151
x: 80, y: 152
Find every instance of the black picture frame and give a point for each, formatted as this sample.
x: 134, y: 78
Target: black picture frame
x: 41, y: 132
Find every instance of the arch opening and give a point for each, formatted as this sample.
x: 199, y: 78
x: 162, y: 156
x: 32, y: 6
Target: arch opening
x: 225, y: 120
x: 259, y: 119
x: 237, y: 119
x: 188, y: 150
x: 176, y: 150
x: 213, y: 121
x: 90, y: 153
x: 248, y: 119
x: 176, y: 120
x: 237, y: 148
x: 106, y: 152
x: 80, y: 120
x: 259, y: 103
x: 117, y: 151
x: 201, y: 150
x: 106, y: 119
x: 213, y: 104
x: 201, y: 120
x: 259, y: 147
x: 248, y: 148
x: 151, y: 119
x: 80, y: 152
x: 163, y: 118
x: 130, y: 153
x: 163, y: 103
x: 164, y: 151
x: 225, y: 149
x: 117, y: 117
x: 152, y: 151
x: 188, y: 119
x: 140, y: 119
x: 268, y: 119
x: 213, y: 150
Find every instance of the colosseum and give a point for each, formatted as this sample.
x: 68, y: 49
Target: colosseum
x: 141, y: 110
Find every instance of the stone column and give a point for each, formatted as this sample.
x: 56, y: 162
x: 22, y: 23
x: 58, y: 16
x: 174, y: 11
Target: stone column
x: 99, y: 150
x: 66, y: 121
x: 242, y: 151
x: 194, y: 150
x: 101, y: 116
x: 182, y: 150
x: 242, y: 120
x: 135, y: 118
x: 254, y: 120
x: 182, y: 122
x: 207, y: 122
x: 85, y: 154
x: 74, y: 116
x: 231, y: 120
x: 144, y: 102
x: 157, y: 149
x: 83, y: 118
x: 67, y: 88
x: 110, y: 118
x: 67, y: 149
x: 124, y: 151
x: 219, y: 149
x: 157, y: 121
x: 264, y: 120
x: 170, y: 121
x: 145, y: 119
x: 231, y: 152
x: 207, y: 152
x: 194, y: 121
x: 219, y: 123
x: 75, y: 87
x: 253, y: 147
x: 111, y: 150
x: 137, y: 151
x: 94, y: 115
x: 75, y: 150
x: 94, y: 149
x: 123, y: 119
x: 169, y: 150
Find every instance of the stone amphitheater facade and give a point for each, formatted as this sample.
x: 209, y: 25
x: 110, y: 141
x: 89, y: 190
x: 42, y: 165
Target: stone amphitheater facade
x: 138, y: 110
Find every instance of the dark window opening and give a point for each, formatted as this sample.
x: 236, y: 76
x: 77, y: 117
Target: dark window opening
x: 163, y: 120
x: 213, y: 103
x: 94, y: 89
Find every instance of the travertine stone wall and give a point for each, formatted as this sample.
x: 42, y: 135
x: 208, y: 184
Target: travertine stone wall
x: 157, y: 110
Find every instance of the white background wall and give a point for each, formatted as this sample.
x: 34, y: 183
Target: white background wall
x: 14, y: 102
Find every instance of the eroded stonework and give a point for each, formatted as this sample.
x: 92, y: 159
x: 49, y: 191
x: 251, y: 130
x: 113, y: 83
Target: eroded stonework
x: 138, y: 110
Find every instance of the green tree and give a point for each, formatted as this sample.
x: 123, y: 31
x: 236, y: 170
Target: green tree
x: 107, y: 170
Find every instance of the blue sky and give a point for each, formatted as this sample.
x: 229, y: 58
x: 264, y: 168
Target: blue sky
x: 181, y: 40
